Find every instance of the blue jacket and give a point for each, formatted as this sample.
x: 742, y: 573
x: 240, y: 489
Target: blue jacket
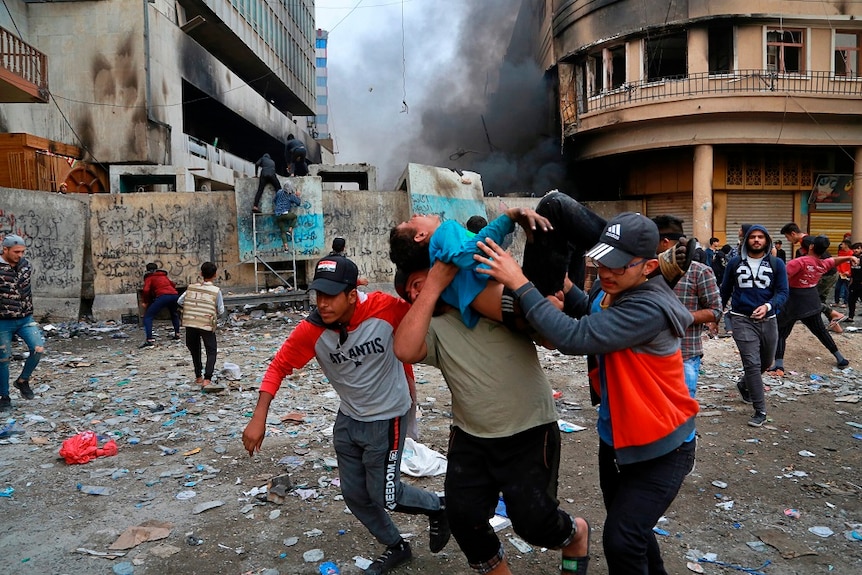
x: 747, y: 288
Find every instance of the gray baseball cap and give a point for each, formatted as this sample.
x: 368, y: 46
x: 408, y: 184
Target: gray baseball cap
x: 13, y: 240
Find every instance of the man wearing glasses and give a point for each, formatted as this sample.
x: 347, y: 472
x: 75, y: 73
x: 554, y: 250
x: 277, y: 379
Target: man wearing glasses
x: 630, y: 329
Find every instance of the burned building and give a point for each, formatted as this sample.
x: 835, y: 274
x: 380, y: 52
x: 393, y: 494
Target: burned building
x: 720, y: 112
x: 159, y: 95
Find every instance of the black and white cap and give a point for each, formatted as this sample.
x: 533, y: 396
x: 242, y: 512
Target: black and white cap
x: 627, y: 236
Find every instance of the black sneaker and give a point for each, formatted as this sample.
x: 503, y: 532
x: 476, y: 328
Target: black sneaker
x: 24, y: 387
x: 391, y: 558
x: 743, y: 391
x: 5, y: 403
x: 757, y: 420
x: 438, y: 526
x: 148, y: 343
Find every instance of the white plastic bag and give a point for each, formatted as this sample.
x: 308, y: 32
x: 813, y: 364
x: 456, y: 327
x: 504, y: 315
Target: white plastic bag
x: 231, y: 371
x: 419, y: 460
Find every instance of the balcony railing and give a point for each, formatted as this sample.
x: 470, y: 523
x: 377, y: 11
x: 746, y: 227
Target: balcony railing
x: 25, y: 63
x: 737, y: 82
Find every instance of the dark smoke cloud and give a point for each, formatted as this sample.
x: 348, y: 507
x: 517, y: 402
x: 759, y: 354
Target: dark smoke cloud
x: 481, y: 106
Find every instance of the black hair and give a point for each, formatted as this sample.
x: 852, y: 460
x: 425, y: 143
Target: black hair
x: 713, y: 240
x: 857, y: 246
x: 405, y: 253
x: 790, y: 228
x: 475, y: 224
x: 725, y: 249
x: 668, y: 224
x: 208, y: 270
x: 151, y: 267
x: 821, y: 244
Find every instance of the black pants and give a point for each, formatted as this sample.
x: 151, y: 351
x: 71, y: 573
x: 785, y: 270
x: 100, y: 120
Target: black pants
x: 261, y: 184
x: 855, y: 294
x: 524, y: 467
x: 636, y: 496
x: 552, y: 254
x: 193, y: 342
x: 813, y: 323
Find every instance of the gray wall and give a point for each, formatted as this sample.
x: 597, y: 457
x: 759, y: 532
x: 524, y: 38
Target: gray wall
x: 96, y: 246
x: 54, y: 227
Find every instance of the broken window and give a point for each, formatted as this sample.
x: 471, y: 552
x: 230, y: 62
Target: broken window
x: 666, y: 56
x: 605, y: 70
x: 848, y: 50
x: 720, y: 49
x: 785, y: 50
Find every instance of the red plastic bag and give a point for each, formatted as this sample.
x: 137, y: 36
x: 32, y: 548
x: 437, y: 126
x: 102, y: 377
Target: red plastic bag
x: 84, y: 447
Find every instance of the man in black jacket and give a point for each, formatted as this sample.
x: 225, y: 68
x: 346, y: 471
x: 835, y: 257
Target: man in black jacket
x: 267, y: 175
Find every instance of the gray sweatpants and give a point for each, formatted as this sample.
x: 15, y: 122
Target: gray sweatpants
x: 369, y: 461
x: 756, y: 341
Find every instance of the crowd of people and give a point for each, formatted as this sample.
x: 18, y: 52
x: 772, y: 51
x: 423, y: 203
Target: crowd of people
x: 465, y: 306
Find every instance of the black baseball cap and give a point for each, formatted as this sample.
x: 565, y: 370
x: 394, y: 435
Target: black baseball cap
x: 334, y: 274
x: 627, y: 236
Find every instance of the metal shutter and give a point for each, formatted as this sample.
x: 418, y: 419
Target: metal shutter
x: 679, y: 205
x: 770, y: 210
x: 831, y: 224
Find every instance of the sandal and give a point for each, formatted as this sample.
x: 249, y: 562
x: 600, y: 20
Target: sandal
x: 209, y: 387
x: 776, y: 372
x: 577, y: 565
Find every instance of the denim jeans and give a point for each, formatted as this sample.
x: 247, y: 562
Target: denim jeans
x: 27, y: 329
x: 692, y: 370
x: 169, y: 301
x: 636, y: 496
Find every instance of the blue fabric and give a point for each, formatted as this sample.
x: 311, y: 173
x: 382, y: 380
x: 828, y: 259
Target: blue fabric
x: 603, y: 424
x: 284, y: 201
x: 28, y: 330
x: 692, y: 370
x: 452, y: 243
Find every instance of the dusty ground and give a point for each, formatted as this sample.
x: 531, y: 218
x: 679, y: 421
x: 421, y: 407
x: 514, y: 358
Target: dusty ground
x: 147, y: 400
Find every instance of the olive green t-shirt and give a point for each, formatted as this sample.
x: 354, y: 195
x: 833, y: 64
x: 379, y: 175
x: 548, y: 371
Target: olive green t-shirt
x: 498, y: 387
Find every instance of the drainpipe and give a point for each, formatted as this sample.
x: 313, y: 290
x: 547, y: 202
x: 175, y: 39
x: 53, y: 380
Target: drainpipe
x: 147, y: 93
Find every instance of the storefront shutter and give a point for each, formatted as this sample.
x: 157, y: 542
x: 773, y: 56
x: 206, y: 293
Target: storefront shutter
x: 831, y: 224
x: 679, y: 205
x: 770, y: 210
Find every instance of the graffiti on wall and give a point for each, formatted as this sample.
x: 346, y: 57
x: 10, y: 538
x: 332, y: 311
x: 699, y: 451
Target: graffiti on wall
x: 52, y: 248
x: 259, y: 234
x: 365, y: 226
x: 177, y: 232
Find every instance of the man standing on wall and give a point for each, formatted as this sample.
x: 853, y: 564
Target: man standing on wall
x: 698, y: 292
x: 16, y: 318
x: 266, y: 166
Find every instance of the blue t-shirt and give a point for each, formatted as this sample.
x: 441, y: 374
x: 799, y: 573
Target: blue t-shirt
x: 452, y: 243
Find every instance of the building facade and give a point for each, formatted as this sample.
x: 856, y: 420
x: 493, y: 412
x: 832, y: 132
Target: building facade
x: 164, y: 95
x: 719, y: 111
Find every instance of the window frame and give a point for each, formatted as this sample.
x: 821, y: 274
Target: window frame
x: 781, y: 63
x: 857, y: 49
x: 645, y: 51
x: 733, y: 50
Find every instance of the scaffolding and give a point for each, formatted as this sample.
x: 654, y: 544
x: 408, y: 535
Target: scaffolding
x: 263, y: 268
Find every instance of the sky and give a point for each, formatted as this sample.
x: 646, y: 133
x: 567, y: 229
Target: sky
x: 424, y: 81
